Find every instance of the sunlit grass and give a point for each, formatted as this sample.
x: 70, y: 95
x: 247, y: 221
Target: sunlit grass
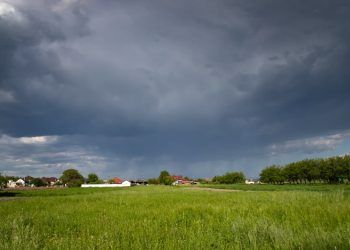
x: 285, y: 187
x: 175, y: 218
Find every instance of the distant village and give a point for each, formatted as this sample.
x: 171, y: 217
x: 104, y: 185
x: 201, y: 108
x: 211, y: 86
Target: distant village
x: 32, y: 182
x: 27, y: 182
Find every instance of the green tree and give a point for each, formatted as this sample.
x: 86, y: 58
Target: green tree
x: 165, y: 178
x: 232, y: 177
x: 272, y: 174
x: 313, y: 173
x: 202, y: 180
x: 346, y: 167
x: 217, y: 179
x: 153, y: 181
x: 290, y: 171
x: 229, y: 178
x: 72, y: 178
x: 38, y: 182
x: 2, y: 181
x: 92, y: 178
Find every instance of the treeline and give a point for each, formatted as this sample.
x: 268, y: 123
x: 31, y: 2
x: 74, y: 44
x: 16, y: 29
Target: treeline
x: 330, y: 170
x: 229, y: 178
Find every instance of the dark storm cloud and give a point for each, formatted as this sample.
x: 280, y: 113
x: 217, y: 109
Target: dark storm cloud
x: 192, y: 84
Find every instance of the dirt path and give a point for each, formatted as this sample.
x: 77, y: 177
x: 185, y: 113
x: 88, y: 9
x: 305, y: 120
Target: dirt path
x: 214, y: 189
x: 10, y: 198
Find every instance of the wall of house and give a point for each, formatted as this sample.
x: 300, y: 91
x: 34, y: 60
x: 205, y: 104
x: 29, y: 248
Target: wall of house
x: 124, y: 184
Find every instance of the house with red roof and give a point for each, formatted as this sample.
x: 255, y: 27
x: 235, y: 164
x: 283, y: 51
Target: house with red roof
x: 177, y: 177
x: 117, y: 180
x: 51, y: 181
x: 180, y: 180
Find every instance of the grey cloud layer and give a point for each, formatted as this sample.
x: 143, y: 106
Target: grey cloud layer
x: 175, y: 81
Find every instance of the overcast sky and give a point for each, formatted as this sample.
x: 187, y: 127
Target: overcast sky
x: 198, y: 87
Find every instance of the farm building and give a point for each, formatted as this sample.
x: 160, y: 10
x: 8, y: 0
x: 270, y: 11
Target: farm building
x: 117, y: 182
x: 11, y: 184
x: 18, y: 183
x: 180, y: 180
x: 183, y: 182
x: 252, y: 181
x: 177, y: 177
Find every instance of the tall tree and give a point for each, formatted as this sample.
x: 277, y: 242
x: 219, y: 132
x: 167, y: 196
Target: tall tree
x: 92, y: 178
x: 165, y: 178
x: 2, y: 181
x: 272, y: 174
x: 72, y: 178
x: 38, y: 182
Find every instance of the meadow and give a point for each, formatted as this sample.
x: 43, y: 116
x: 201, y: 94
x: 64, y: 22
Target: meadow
x: 164, y: 217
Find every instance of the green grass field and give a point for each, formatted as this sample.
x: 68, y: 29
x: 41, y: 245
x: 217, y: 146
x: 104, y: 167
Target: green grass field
x: 284, y: 187
x: 160, y: 217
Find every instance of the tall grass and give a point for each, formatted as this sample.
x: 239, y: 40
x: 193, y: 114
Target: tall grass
x: 284, y: 187
x: 175, y: 218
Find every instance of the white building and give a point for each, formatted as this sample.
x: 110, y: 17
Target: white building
x: 18, y: 183
x: 249, y: 182
x: 123, y: 184
x: 11, y: 184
